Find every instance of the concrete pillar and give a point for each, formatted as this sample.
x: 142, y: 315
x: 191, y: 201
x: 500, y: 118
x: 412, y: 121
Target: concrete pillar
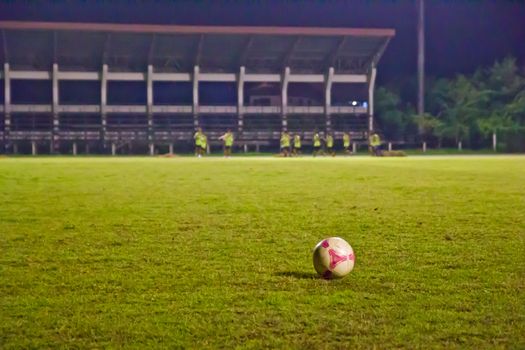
x: 460, y: 146
x: 74, y: 148
x: 55, y: 138
x: 257, y: 148
x: 103, y: 103
x: 420, y: 6
x: 284, y: 98
x: 7, y: 88
x: 113, y: 149
x: 7, y: 130
x: 328, y: 98
x: 196, y: 97
x: 171, y: 148
x: 371, y: 89
x: 494, y: 142
x: 424, y: 146
x: 151, y: 149
x: 240, y: 99
x: 390, y: 146
x: 15, y: 148
x: 34, y: 150
x: 7, y: 107
x: 149, y: 89
x: 208, y: 151
x: 87, y: 148
x: 284, y: 122
x: 149, y: 101
x: 240, y: 123
x: 245, y: 148
x: 354, y: 147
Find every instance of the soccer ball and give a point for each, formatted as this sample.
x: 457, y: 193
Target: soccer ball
x: 333, y: 258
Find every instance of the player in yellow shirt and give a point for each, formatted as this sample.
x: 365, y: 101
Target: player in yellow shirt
x: 227, y: 139
x: 346, y: 143
x: 285, y: 144
x: 204, y: 143
x: 375, y: 144
x: 197, y: 137
x: 296, y: 145
x: 330, y: 145
x: 317, y: 144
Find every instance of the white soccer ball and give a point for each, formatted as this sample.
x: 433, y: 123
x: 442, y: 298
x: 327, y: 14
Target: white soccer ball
x: 333, y: 258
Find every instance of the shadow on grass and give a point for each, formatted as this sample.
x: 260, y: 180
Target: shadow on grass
x: 298, y: 275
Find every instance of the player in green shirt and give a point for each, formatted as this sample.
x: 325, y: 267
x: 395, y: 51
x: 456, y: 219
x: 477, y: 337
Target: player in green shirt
x: 204, y: 143
x: 285, y: 144
x: 346, y: 143
x: 330, y: 145
x: 197, y: 137
x: 227, y: 139
x: 317, y: 143
x: 375, y: 144
x: 296, y: 145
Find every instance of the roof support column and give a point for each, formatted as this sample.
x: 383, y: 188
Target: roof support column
x: 103, y: 103
x: 328, y: 98
x: 149, y: 101
x: 196, y: 97
x: 284, y: 98
x: 55, y: 134
x: 240, y: 98
x: 7, y: 106
x: 420, y: 57
x: 371, y: 89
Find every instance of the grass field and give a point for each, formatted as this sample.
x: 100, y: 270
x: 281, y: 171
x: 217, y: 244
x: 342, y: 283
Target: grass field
x: 215, y: 253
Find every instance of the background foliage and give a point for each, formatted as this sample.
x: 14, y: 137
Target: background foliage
x: 467, y: 108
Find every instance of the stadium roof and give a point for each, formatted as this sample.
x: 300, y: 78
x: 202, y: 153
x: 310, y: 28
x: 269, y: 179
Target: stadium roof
x: 176, y: 48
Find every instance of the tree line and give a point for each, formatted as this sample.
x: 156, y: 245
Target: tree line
x: 468, y: 110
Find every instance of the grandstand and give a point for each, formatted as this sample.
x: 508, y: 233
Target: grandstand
x: 101, y: 88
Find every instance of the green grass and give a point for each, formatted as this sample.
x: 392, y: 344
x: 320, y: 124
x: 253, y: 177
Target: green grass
x: 214, y: 253
x: 450, y: 151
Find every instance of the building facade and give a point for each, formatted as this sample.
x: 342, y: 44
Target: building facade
x: 66, y: 85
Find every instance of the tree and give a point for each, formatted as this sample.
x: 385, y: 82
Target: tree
x: 465, y: 108
x: 427, y: 125
x: 390, y: 114
x: 505, y: 106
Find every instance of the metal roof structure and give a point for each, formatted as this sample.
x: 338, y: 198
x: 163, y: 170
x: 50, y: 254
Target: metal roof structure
x: 102, y: 52
x: 173, y: 48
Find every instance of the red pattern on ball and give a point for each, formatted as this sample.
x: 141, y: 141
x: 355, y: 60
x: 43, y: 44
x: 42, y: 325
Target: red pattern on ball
x: 336, y: 259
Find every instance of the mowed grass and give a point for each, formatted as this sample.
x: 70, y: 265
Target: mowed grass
x: 216, y: 253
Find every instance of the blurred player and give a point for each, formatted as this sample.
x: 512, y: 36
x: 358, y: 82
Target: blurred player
x: 296, y: 145
x: 227, y: 139
x: 204, y: 143
x: 317, y: 144
x: 330, y: 145
x: 346, y: 143
x: 285, y: 144
x: 375, y: 144
x: 197, y: 137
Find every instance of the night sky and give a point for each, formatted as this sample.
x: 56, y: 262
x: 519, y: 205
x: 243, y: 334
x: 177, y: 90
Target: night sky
x: 461, y: 34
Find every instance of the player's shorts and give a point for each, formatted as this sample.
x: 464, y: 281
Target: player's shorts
x: 228, y: 148
x: 317, y: 148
